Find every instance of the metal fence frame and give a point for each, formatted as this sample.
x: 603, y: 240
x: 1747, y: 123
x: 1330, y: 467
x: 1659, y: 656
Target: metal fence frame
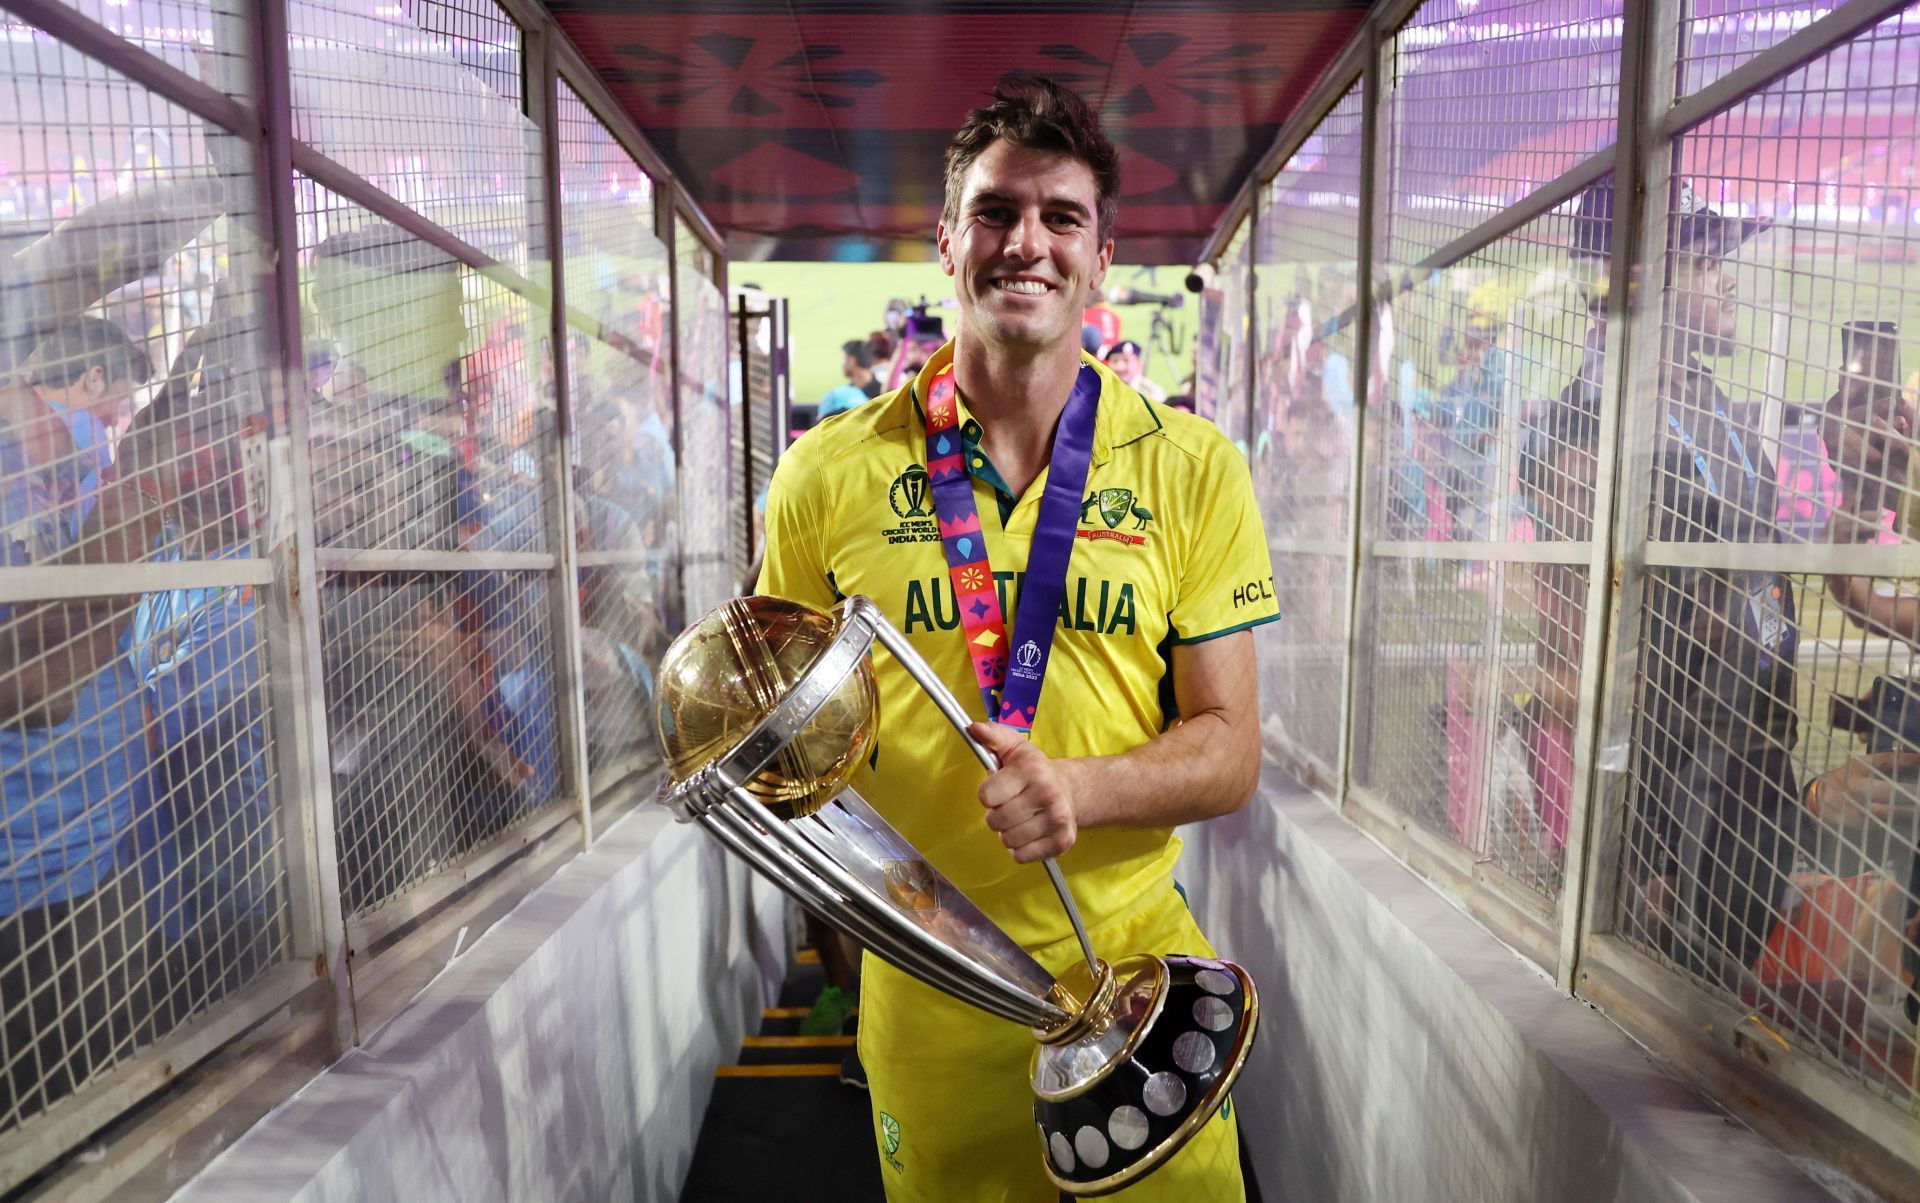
x: 317, y: 986
x: 1789, y: 1094
x: 760, y: 426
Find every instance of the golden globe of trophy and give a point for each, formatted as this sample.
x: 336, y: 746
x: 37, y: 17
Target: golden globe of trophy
x: 766, y: 708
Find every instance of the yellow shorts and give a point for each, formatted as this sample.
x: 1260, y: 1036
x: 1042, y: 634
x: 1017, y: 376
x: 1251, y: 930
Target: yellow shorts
x: 952, y: 1108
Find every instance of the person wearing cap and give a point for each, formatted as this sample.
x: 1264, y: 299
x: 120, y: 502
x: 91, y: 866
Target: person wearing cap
x: 1125, y: 360
x: 1714, y: 785
x: 921, y: 345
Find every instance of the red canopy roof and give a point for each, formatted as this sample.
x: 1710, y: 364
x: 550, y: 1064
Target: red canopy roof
x: 815, y: 129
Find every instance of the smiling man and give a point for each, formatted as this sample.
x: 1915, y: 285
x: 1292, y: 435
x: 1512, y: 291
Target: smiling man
x: 1123, y: 568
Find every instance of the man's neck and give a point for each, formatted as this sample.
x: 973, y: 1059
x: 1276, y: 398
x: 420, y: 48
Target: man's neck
x: 1678, y: 366
x: 1017, y: 400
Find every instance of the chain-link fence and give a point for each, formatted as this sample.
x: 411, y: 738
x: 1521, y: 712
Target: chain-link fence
x: 625, y: 473
x: 340, y: 516
x: 1620, y: 302
x: 1305, y: 276
x: 707, y: 503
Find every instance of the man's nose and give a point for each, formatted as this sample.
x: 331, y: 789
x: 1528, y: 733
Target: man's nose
x: 1023, y: 235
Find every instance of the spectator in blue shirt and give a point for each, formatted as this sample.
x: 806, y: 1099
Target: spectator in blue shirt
x: 207, y: 833
x: 71, y: 748
x: 1471, y: 406
x: 839, y: 399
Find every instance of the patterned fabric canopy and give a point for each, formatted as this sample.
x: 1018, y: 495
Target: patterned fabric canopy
x: 813, y: 128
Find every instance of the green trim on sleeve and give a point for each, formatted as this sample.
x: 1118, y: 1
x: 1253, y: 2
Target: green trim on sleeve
x: 1245, y: 626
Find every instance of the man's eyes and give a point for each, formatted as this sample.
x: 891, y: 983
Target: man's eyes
x: 1001, y: 215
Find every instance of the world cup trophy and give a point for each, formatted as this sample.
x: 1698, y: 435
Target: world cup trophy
x: 766, y: 707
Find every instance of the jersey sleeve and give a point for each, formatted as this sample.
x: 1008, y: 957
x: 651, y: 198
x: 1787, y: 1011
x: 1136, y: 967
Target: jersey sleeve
x: 797, y: 513
x: 1226, y: 584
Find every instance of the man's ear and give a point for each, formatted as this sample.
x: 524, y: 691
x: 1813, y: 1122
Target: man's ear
x: 95, y: 381
x: 1106, y: 261
x: 940, y: 238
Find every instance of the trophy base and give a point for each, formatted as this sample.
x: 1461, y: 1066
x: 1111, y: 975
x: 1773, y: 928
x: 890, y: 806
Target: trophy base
x: 1149, y: 1056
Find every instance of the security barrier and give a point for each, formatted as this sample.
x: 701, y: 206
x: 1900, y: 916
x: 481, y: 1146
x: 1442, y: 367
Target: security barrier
x: 1584, y: 339
x: 364, y: 436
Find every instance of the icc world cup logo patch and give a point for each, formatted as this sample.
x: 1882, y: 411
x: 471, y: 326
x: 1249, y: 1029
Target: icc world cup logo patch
x: 908, y: 496
x: 1029, y: 654
x: 911, y: 495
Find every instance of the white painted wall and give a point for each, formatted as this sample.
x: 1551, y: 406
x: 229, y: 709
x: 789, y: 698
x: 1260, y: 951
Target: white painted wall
x: 566, y: 1055
x: 1405, y: 1055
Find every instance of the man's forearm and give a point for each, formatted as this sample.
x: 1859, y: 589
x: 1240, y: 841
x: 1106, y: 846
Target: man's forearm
x: 1203, y: 768
x: 1895, y: 617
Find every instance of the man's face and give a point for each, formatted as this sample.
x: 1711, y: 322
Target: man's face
x: 1024, y: 249
x: 848, y: 366
x: 1126, y: 365
x: 1473, y: 344
x: 112, y: 396
x: 1705, y: 306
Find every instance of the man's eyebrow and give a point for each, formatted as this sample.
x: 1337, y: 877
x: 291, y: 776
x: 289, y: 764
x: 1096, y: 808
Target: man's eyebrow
x: 1057, y: 201
x: 979, y: 199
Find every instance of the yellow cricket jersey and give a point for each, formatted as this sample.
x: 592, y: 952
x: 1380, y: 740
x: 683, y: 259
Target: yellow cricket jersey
x: 1170, y: 551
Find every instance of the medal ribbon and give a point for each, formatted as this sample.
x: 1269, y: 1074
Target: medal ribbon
x: 1010, y: 678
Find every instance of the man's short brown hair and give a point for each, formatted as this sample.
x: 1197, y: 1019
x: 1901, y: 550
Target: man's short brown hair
x: 1036, y: 114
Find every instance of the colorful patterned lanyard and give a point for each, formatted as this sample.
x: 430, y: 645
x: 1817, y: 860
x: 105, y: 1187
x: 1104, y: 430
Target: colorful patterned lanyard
x: 981, y: 620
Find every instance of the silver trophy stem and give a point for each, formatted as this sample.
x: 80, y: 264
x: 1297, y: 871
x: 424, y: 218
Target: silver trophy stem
x: 961, y: 976
x: 809, y: 891
x: 928, y: 680
x: 747, y: 841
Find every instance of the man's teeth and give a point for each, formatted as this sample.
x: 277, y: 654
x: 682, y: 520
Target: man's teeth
x: 1026, y: 288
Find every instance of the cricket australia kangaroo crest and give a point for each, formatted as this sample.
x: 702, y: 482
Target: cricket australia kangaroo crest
x: 1115, y: 507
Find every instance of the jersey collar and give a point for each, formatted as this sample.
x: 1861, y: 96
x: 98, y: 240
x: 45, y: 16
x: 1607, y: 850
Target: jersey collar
x: 1124, y: 415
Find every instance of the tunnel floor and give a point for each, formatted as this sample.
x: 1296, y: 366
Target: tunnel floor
x: 781, y: 1127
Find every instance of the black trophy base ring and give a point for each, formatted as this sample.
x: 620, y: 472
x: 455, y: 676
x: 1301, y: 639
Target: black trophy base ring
x: 1132, y: 1119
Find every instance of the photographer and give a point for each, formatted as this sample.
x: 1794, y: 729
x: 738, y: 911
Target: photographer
x: 1874, y: 797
